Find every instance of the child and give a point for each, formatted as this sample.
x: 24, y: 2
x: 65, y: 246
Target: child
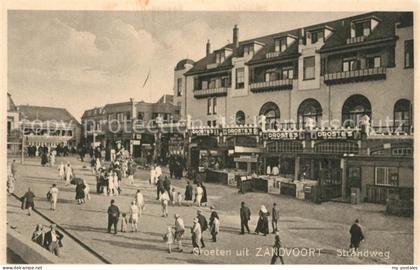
x: 124, y: 222
x: 173, y: 196
x: 164, y: 198
x: 179, y: 199
x: 169, y: 238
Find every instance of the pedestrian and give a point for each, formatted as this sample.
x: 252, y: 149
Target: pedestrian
x: 277, y: 250
x: 140, y: 200
x: 245, y: 214
x: 124, y: 222
x: 179, y: 199
x: 111, y: 187
x: 179, y: 231
x: 28, y: 201
x: 173, y: 196
x: 164, y: 198
x: 80, y: 192
x: 198, y: 194
x: 69, y: 173
x: 87, y: 190
x: 52, y: 158
x: 167, y: 186
x: 275, y: 217
x: 214, y: 223
x: 44, y: 158
x: 262, y: 225
x: 152, y: 175
x: 113, y: 215
x: 116, y: 184
x: 188, y: 193
x: 53, y: 240
x: 203, y: 225
x: 13, y: 168
x: 204, y: 197
x: 357, y: 235
x: 196, y: 236
x: 134, y: 216
x: 38, y: 236
x: 159, y: 188
x: 54, y: 197
x: 168, y: 237
x: 10, y: 184
x: 131, y: 170
x: 61, y: 172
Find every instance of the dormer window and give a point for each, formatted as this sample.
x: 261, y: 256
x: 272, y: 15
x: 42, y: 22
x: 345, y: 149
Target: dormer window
x: 280, y: 45
x: 220, y: 57
x: 249, y: 50
x: 316, y: 35
x: 362, y: 29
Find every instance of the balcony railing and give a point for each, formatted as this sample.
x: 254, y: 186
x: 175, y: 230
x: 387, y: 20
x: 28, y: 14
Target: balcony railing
x: 272, y: 54
x: 212, y: 65
x: 286, y: 84
x: 355, y: 40
x: 213, y: 92
x: 369, y: 74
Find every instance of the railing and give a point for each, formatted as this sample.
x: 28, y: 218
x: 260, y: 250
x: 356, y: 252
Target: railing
x: 286, y: 84
x: 212, y: 65
x: 378, y: 73
x: 203, y: 93
x: 355, y: 40
x: 272, y: 54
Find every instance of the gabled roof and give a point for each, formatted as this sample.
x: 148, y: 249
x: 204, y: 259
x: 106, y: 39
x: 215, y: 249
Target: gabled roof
x: 166, y: 99
x: 117, y: 107
x: 11, y: 106
x: 40, y: 113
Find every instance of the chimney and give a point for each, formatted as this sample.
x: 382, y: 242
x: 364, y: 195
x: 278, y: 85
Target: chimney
x: 236, y: 36
x: 133, y: 109
x: 208, y: 49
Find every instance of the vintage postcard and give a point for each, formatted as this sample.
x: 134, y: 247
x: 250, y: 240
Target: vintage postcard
x: 209, y: 133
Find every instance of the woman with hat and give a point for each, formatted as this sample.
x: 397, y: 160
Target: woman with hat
x: 262, y: 225
x: 196, y: 236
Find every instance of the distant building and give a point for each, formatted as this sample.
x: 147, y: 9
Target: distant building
x: 49, y: 126
x: 12, y: 115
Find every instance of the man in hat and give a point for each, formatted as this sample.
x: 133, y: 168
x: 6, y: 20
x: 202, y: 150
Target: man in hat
x: 214, y: 223
x: 203, y: 225
x: 245, y: 214
x: 53, y: 240
x: 179, y: 230
x: 113, y: 215
x: 275, y: 217
x: 277, y: 250
x: 356, y: 235
x: 196, y: 236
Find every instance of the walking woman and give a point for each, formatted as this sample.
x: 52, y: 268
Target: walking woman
x: 54, y: 197
x: 80, y: 192
x: 262, y: 225
x: 134, y: 216
x: 61, y: 171
x: 198, y: 194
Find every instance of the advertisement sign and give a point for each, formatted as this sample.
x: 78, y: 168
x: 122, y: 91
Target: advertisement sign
x: 335, y: 135
x: 240, y: 131
x: 284, y: 135
x: 204, y: 132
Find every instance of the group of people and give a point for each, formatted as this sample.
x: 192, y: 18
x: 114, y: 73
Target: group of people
x: 176, y: 164
x: 48, y: 237
x: 199, y: 197
x: 262, y: 224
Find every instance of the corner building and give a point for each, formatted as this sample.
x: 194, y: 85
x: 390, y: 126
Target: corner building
x: 338, y: 75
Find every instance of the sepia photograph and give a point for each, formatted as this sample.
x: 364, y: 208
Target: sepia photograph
x: 209, y: 137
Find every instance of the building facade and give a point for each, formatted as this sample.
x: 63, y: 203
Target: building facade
x: 340, y: 76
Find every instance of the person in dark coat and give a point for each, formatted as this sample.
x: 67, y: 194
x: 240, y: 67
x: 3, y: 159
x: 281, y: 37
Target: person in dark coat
x: 204, y: 226
x: 189, y: 193
x: 44, y: 158
x: 245, y: 214
x: 113, y: 216
x: 277, y: 250
x: 212, y: 218
x: 172, y: 172
x: 262, y: 225
x: 204, y: 198
x: 28, y: 201
x: 159, y: 188
x: 53, y: 240
x: 357, y: 236
x: 80, y: 192
x: 167, y: 185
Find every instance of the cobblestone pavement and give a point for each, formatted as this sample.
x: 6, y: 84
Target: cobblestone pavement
x: 303, y: 226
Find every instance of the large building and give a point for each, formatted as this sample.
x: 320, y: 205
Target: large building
x: 336, y: 100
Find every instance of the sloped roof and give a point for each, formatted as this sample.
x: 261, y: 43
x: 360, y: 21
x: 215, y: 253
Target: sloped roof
x: 181, y: 64
x: 117, y: 107
x: 166, y: 99
x: 40, y: 113
x: 11, y: 106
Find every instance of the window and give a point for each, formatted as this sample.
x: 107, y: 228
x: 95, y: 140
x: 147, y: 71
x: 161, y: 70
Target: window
x: 287, y: 73
x: 402, y: 116
x: 271, y: 75
x: 402, y: 151
x: 179, y: 87
x: 140, y: 115
x: 220, y: 57
x: 240, y: 118
x: 408, y: 54
x: 209, y: 106
x: 280, y: 45
x: 212, y: 83
x: 315, y: 36
x: 373, y: 62
x: 386, y: 176
x: 240, y: 78
x: 354, y: 108
x: 120, y: 117
x: 272, y: 114
x: 209, y: 123
x: 309, y: 113
x: 249, y: 50
x: 214, y: 106
x: 204, y: 85
x: 225, y: 82
x: 309, y: 68
x: 214, y: 123
x: 362, y: 29
x: 349, y: 64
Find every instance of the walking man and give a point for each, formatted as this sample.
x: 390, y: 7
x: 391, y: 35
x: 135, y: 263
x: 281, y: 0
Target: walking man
x: 275, y: 217
x: 113, y: 215
x: 356, y: 235
x: 14, y: 168
x: 276, y: 250
x: 54, y: 196
x: 196, y: 236
x: 53, y: 240
x: 28, y: 201
x: 179, y: 230
x: 245, y: 217
x: 203, y: 225
x: 214, y: 223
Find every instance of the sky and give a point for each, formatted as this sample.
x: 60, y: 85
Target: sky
x: 84, y: 59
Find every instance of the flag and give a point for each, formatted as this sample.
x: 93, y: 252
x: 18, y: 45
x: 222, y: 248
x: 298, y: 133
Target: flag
x: 147, y: 78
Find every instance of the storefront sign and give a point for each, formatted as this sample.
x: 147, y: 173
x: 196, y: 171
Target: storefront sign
x: 205, y: 132
x: 135, y: 142
x: 284, y: 135
x: 334, y: 135
x: 245, y: 159
x: 240, y: 131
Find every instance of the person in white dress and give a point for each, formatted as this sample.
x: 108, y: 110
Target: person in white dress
x: 158, y: 172
x: 152, y: 175
x: 111, y: 183
x: 69, y: 173
x: 139, y: 199
x: 87, y: 190
x: 61, y: 171
x: 134, y: 216
x: 164, y: 198
x: 116, y: 184
x: 54, y: 197
x: 199, y: 194
x: 52, y: 158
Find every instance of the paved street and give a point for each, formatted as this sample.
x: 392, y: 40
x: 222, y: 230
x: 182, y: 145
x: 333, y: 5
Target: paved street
x: 303, y: 225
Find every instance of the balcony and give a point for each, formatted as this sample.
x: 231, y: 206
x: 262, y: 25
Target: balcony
x: 257, y: 87
x: 272, y: 54
x: 355, y: 40
x: 369, y: 74
x: 213, y: 92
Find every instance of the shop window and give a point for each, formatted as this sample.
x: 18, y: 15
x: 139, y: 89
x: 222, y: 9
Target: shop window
x: 240, y: 118
x: 337, y: 147
x: 309, y: 68
x: 309, y: 113
x: 354, y: 108
x: 288, y: 146
x: 386, y: 176
x: 408, y: 54
x: 240, y: 78
x: 402, y: 116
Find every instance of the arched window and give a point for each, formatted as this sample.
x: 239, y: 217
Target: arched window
x: 272, y: 114
x: 240, y: 118
x: 309, y: 113
x: 354, y: 108
x: 402, y: 115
